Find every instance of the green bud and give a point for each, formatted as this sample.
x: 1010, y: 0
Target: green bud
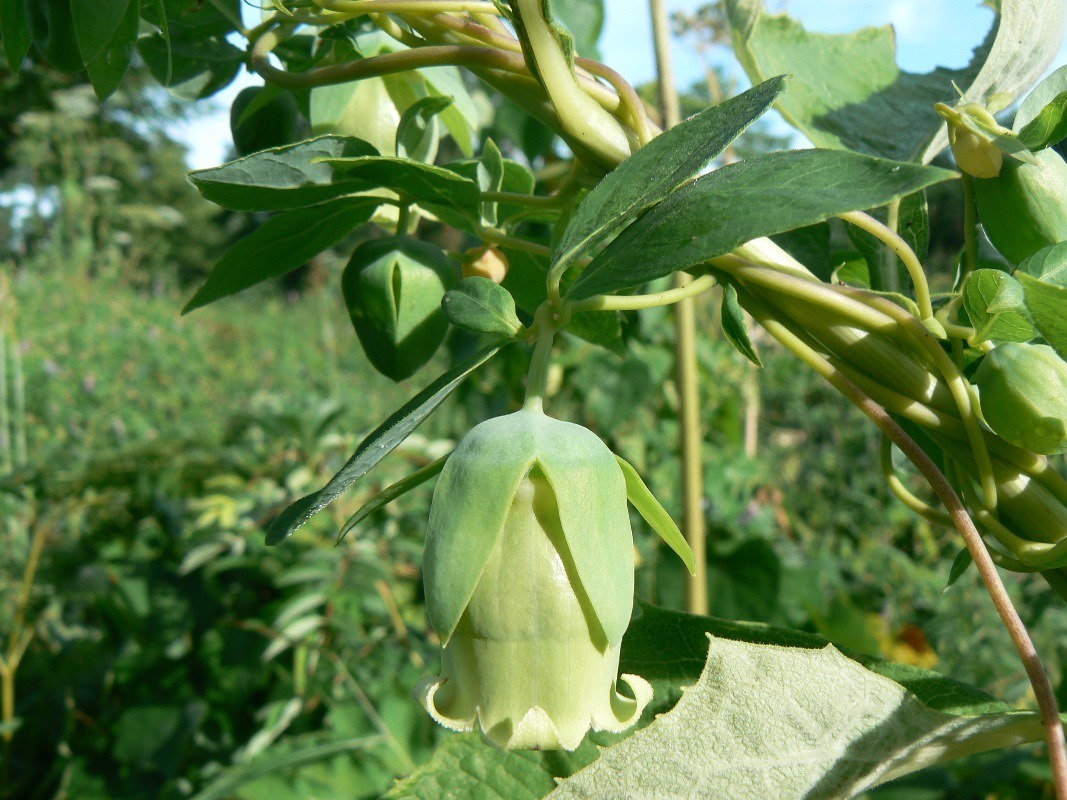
x: 1024, y: 208
x: 529, y: 575
x: 393, y: 289
x: 1023, y: 391
x: 272, y: 123
x: 974, y: 155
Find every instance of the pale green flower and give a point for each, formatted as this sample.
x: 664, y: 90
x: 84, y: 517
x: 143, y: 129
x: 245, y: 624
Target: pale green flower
x: 529, y: 582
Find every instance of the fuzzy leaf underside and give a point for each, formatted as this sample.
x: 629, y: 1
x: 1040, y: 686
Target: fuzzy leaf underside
x: 849, y: 93
x: 768, y: 720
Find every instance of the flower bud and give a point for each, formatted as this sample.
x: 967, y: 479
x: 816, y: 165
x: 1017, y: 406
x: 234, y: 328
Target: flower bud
x: 1023, y: 391
x: 529, y: 575
x: 974, y: 155
x: 485, y: 262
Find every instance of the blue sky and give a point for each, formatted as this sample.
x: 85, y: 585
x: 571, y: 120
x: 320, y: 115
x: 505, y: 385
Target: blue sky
x: 930, y: 33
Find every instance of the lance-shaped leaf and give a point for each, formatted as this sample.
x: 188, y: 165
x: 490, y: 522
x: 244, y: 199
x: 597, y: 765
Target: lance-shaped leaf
x: 734, y: 326
x: 292, y: 176
x: 421, y: 183
x: 660, y: 167
x: 848, y: 91
x: 391, y: 493
x: 15, y: 31
x: 641, y: 498
x: 280, y: 245
x: 759, y: 196
x: 377, y: 445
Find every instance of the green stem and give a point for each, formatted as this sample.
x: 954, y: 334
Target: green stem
x: 544, y: 328
x: 900, y: 247
x: 636, y: 302
x: 970, y: 226
x: 359, y: 7
x: 903, y: 493
x: 581, y: 117
x: 385, y: 64
x: 499, y: 237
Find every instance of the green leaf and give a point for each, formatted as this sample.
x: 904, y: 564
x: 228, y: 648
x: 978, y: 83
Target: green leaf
x: 849, y: 93
x: 465, y: 766
x: 192, y: 66
x: 280, y: 245
x: 464, y: 116
x: 516, y: 179
x: 1048, y: 264
x: 660, y: 167
x: 378, y: 444
x: 1048, y: 127
x: 585, y: 21
x: 15, y: 32
x: 155, y: 13
x: 96, y: 21
x: 417, y: 123
x: 997, y: 307
x: 490, y: 178
x: 292, y: 176
x: 421, y: 183
x: 1048, y: 306
x: 669, y: 649
x: 735, y: 327
x: 110, y: 65
x: 744, y: 580
x: 813, y: 724
x: 391, y: 493
x: 526, y: 283
x: 1042, y: 117
x: 656, y: 515
x: 960, y: 563
x: 743, y: 201
x: 477, y: 304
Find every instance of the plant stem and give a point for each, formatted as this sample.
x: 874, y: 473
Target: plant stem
x: 544, y: 327
x: 357, y: 7
x: 685, y: 355
x: 581, y: 117
x: 636, y: 302
x: 1043, y: 692
x: 970, y: 225
x: 900, y: 247
x: 385, y: 64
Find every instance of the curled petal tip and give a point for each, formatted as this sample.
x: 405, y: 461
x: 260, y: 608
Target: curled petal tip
x: 425, y: 691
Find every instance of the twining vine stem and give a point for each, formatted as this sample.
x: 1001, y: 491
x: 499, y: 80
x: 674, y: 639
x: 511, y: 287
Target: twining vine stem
x: 1035, y: 671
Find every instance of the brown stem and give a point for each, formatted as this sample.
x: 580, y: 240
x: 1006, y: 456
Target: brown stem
x: 1035, y: 670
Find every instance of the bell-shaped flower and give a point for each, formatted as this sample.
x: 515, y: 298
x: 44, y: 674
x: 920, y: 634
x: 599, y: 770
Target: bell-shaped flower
x: 529, y: 576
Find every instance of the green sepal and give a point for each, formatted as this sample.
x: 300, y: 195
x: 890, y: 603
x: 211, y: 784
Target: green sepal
x: 641, y: 498
x: 591, y: 495
x: 475, y: 492
x: 470, y: 505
